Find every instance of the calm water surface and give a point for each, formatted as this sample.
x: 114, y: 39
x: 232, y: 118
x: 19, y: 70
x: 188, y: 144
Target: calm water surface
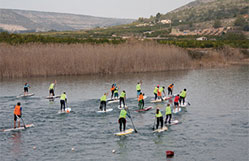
x: 214, y: 127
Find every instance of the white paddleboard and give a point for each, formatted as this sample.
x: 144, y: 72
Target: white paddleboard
x: 161, y: 130
x: 183, y: 105
x: 107, y: 110
x: 67, y: 110
x: 112, y: 101
x: 122, y: 106
x: 129, y: 131
x: 157, y: 100
x: 52, y: 97
x: 20, y: 128
x: 27, y: 95
x: 174, y: 122
x: 176, y: 110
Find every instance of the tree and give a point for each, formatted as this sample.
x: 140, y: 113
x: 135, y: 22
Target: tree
x: 158, y: 16
x: 217, y: 23
x: 240, y: 21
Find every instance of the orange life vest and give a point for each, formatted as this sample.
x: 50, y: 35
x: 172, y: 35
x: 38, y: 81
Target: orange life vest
x: 159, y: 93
x: 171, y: 86
x: 17, y: 110
x: 113, y: 88
x: 141, y: 97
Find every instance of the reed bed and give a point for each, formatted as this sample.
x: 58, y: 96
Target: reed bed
x: 77, y: 59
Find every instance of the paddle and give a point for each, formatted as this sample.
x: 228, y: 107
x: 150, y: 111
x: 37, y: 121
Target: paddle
x: 132, y: 121
x: 154, y: 124
x: 23, y: 123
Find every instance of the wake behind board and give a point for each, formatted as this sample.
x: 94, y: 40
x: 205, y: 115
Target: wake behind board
x: 175, y: 111
x: 52, y: 97
x: 20, y: 128
x: 161, y: 130
x: 67, y: 110
x: 129, y: 131
x: 183, y: 105
x: 107, y: 110
x: 26, y: 95
x: 145, y: 109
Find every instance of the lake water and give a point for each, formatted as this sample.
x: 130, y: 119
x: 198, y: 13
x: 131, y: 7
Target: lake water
x: 214, y: 127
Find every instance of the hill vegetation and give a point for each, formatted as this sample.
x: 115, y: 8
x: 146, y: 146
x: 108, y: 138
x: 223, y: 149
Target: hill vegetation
x: 26, y: 21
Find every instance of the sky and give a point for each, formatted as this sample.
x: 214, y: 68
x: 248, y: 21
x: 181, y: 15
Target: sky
x: 101, y: 8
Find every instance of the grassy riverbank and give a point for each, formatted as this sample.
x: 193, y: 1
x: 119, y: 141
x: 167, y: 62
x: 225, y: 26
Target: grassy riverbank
x: 37, y: 59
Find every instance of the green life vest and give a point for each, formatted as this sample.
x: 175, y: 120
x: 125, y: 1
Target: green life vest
x: 122, y: 95
x: 103, y: 98
x: 155, y: 90
x: 159, y: 114
x: 183, y: 94
x: 51, y: 86
x: 168, y: 110
x: 138, y: 87
x: 122, y: 114
x: 161, y: 89
x: 63, y: 97
x: 116, y: 90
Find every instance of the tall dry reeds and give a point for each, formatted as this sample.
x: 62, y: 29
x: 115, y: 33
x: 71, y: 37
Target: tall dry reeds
x: 77, y: 59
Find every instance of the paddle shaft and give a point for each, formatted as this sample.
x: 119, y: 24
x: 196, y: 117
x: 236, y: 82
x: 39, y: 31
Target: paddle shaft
x: 132, y: 121
x: 23, y: 123
x: 154, y: 124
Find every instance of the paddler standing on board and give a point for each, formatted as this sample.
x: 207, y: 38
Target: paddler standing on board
x: 159, y: 118
x: 17, y: 114
x: 170, y: 89
x: 52, y: 88
x: 138, y: 88
x: 159, y: 93
x: 122, y: 98
x: 141, y: 101
x: 122, y: 118
x: 183, y: 95
x: 168, y: 114
x: 112, y: 90
x: 26, y: 89
x: 155, y: 91
x: 103, y: 102
x: 63, y: 100
x: 116, y: 92
x: 176, y: 104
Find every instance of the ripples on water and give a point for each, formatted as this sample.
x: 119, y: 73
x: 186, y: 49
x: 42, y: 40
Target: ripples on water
x: 214, y: 127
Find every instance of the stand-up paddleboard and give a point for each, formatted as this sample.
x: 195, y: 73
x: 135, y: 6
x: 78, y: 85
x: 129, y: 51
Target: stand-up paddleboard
x: 175, y: 111
x: 107, y: 110
x: 161, y: 130
x: 52, y: 97
x: 112, y: 101
x: 145, y: 109
x: 20, y: 128
x: 167, y: 98
x: 183, y: 105
x: 122, y: 106
x: 67, y: 110
x: 156, y: 101
x: 174, y: 122
x: 26, y: 95
x: 129, y: 131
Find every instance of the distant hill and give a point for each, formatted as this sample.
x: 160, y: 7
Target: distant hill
x: 22, y: 21
x: 207, y: 10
